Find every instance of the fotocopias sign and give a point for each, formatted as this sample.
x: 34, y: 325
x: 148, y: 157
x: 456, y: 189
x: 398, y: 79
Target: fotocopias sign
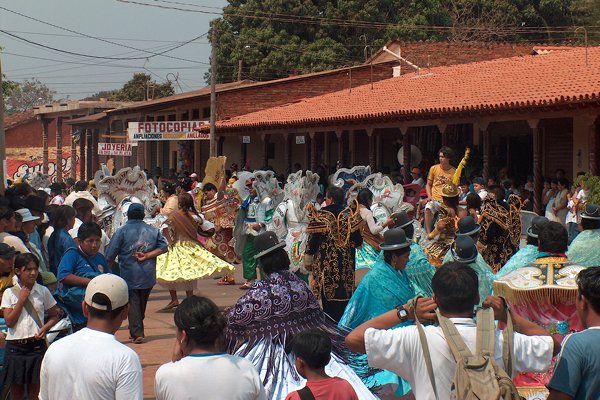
x: 167, y: 130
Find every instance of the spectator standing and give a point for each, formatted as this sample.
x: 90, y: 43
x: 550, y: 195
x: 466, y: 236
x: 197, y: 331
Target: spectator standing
x: 60, y: 240
x: 455, y: 291
x: 77, y: 268
x: 28, y: 226
x: 24, y: 306
x: 576, y: 371
x: 312, y: 351
x: 8, y: 224
x: 198, y: 366
x: 81, y: 192
x: 7, y: 271
x: 92, y: 363
x: 415, y: 173
x: 137, y: 244
x: 57, y: 191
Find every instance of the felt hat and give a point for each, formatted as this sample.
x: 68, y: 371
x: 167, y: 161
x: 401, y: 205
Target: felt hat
x: 591, y: 211
x: 468, y: 226
x: 6, y: 252
x: 35, y: 203
x: 26, y: 215
x: 450, y: 190
x: 537, y: 223
x: 267, y: 242
x: 401, y: 220
x: 464, y: 249
x: 394, y: 239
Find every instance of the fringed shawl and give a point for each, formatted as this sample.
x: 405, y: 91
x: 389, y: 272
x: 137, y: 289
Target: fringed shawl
x: 272, y: 312
x: 186, y: 229
x: 585, y: 248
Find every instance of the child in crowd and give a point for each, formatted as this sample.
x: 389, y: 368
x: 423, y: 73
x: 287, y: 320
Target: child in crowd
x: 24, y: 305
x: 312, y: 350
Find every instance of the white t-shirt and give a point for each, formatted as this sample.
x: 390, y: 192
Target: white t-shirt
x: 25, y: 328
x: 400, y: 351
x: 91, y: 365
x: 210, y: 377
x: 83, y: 195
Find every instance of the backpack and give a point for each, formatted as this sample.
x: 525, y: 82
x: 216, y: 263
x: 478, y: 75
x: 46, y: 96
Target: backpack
x: 477, y: 376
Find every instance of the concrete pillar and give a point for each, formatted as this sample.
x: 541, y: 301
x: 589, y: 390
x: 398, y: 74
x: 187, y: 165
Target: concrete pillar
x: 89, y: 168
x: 313, y: 151
x: 45, y: 123
x: 372, y: 158
x: 73, y: 153
x: 406, y: 145
x: 536, y: 131
x: 59, y: 170
x: 82, y: 157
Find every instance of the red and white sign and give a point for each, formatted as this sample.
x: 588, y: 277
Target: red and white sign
x: 114, y: 149
x: 167, y: 130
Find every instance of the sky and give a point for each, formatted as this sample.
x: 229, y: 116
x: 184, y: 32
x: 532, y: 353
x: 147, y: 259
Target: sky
x: 136, y: 31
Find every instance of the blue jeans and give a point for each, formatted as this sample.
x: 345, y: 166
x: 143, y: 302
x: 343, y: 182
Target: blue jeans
x: 573, y: 230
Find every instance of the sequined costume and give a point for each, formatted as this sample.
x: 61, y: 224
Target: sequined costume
x: 264, y: 320
x: 446, y: 232
x: 221, y: 211
x: 585, y: 248
x: 334, y: 234
x: 500, y: 230
x: 543, y: 292
x: 381, y: 289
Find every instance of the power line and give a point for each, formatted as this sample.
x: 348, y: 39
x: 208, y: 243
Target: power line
x: 108, y: 38
x: 153, y: 54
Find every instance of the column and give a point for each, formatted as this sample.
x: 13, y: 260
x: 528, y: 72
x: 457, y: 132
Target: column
x: 220, y: 143
x: 94, y: 146
x: 287, y: 156
x: 352, y: 147
x: 406, y: 147
x: 536, y: 131
x: 89, y: 169
x: 73, y: 153
x: 341, y: 158
x: 485, y: 134
x: 307, y: 146
x: 265, y: 149
x: 593, y: 145
x: 372, y: 158
x: 443, y: 128
x: 197, y: 157
x: 313, y: 151
x: 379, y: 150
x: 243, y: 153
x: 82, y: 157
x: 326, y: 151
x: 59, y: 171
x: 45, y: 123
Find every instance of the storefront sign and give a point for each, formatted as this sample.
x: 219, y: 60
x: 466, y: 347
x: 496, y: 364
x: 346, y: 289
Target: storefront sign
x: 167, y: 130
x: 114, y: 149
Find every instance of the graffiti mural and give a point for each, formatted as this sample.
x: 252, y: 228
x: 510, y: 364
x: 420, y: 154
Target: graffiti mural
x: 17, y: 169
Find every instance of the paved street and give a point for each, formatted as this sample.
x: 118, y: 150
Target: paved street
x: 160, y: 329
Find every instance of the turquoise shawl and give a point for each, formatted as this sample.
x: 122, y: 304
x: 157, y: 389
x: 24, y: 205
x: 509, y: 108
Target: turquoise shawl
x: 585, y: 249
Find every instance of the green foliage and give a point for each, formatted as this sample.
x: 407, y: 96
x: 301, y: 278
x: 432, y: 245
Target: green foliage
x: 592, y: 184
x: 27, y: 95
x: 140, y: 87
x: 273, y: 44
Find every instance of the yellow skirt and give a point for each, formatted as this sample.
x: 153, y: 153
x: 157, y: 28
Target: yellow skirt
x: 185, y: 263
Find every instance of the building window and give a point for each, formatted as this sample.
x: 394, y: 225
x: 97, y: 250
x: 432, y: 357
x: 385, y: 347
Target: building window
x: 206, y: 112
x: 195, y: 113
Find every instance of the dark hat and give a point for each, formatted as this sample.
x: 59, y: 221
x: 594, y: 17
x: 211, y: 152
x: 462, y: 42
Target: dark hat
x: 537, y: 223
x: 136, y: 208
x: 478, y: 181
x: 394, y: 239
x: 6, y: 251
x: 35, y: 203
x: 401, y: 220
x: 464, y: 249
x: 267, y: 242
x: 591, y: 211
x: 468, y: 226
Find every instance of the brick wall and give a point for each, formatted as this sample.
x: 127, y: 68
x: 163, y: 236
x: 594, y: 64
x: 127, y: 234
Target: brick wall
x: 29, y: 134
x: 250, y: 99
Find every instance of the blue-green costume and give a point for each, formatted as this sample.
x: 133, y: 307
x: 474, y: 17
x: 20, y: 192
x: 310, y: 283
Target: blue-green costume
x: 484, y: 274
x: 382, y: 289
x: 366, y: 256
x: 585, y: 249
x: 521, y: 258
x: 419, y: 270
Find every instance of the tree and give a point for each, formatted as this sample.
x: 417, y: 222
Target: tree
x: 141, y: 87
x: 27, y: 95
x: 271, y: 42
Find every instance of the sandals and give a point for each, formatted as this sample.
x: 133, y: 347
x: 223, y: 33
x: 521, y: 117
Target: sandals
x: 170, y: 306
x: 246, y: 285
x: 138, y: 340
x: 226, y: 281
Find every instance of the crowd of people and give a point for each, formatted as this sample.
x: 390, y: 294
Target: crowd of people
x: 436, y: 250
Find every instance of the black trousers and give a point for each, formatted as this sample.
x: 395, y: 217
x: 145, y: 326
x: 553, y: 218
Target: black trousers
x: 334, y: 308
x: 138, y: 298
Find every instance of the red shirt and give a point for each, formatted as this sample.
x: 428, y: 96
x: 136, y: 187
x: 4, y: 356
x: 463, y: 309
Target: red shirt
x: 328, y: 389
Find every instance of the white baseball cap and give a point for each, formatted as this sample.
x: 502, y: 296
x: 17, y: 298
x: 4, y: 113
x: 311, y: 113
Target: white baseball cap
x: 26, y: 215
x: 111, y: 286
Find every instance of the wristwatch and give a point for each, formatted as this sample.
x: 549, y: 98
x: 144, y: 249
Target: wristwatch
x: 402, y: 313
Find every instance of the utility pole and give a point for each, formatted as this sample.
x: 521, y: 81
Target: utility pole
x: 240, y: 66
x: 213, y: 92
x: 2, y: 138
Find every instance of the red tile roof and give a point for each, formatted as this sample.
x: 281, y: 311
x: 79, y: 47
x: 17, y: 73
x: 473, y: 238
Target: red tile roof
x: 18, y: 118
x: 505, y: 84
